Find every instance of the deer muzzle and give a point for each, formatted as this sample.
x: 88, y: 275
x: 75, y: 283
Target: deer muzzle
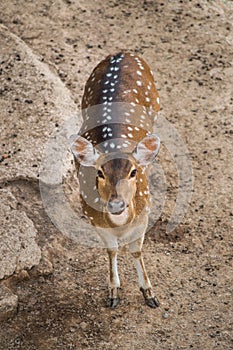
x: 116, y: 206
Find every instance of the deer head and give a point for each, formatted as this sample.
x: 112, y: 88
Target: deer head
x: 117, y: 174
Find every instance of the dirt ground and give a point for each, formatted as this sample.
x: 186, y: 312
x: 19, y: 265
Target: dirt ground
x: 188, y: 44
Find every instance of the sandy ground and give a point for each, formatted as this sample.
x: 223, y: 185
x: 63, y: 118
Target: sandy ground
x: 188, y: 45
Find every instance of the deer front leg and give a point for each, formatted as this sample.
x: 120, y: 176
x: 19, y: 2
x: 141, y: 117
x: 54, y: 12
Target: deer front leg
x: 110, y: 242
x: 144, y: 282
x: 114, y: 282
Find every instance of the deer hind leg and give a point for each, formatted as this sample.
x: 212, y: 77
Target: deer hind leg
x: 144, y: 282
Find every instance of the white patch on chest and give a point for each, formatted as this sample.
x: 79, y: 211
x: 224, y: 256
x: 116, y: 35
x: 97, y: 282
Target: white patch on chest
x: 120, y: 219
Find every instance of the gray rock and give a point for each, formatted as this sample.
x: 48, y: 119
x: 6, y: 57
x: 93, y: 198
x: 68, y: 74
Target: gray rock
x: 34, y: 103
x: 8, y: 303
x: 18, y: 249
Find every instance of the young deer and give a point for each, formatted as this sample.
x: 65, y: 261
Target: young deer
x: 112, y: 153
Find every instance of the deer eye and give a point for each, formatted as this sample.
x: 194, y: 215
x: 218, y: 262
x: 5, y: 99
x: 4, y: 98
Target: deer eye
x: 133, y: 173
x: 100, y: 174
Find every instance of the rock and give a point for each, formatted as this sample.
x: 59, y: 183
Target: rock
x: 33, y: 100
x: 18, y: 249
x: 8, y: 303
x: 45, y: 268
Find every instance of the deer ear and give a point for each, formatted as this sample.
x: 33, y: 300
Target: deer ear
x: 147, y: 149
x: 83, y: 150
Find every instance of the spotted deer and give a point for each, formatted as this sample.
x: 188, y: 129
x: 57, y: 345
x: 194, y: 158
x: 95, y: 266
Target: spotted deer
x: 112, y: 153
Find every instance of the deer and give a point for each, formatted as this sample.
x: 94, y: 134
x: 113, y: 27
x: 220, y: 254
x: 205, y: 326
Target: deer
x: 113, y: 152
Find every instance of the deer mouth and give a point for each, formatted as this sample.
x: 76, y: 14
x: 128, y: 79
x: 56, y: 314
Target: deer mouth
x: 117, y: 212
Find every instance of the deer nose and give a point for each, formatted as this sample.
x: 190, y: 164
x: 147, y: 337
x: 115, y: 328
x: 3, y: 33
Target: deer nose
x: 116, y: 206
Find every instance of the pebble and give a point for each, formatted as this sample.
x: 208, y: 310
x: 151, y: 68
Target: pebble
x: 83, y: 325
x: 165, y: 315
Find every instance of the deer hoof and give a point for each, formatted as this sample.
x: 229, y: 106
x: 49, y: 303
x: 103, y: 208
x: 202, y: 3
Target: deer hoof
x: 150, y: 299
x: 112, y: 302
x: 152, y: 302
